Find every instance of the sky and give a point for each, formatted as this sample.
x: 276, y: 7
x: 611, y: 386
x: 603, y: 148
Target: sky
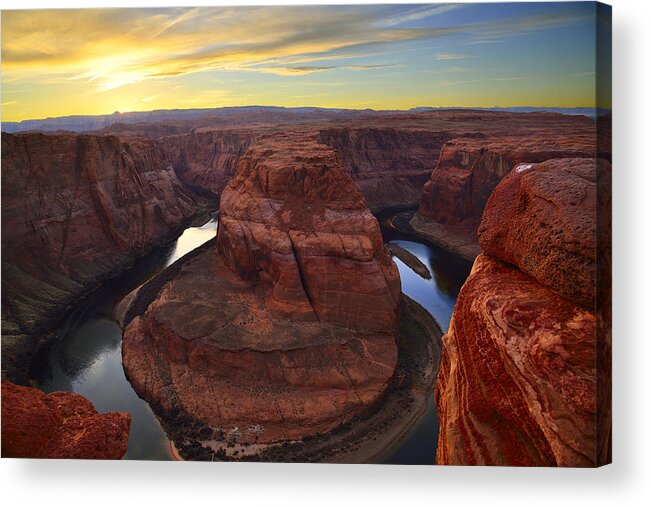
x: 97, y: 61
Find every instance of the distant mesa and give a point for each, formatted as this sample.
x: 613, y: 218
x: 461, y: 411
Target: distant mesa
x: 83, y: 123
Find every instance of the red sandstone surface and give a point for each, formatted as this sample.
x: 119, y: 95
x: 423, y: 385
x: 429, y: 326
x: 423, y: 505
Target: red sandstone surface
x: 542, y: 219
x: 59, y: 425
x: 517, y: 379
x: 288, y: 330
x: 518, y: 383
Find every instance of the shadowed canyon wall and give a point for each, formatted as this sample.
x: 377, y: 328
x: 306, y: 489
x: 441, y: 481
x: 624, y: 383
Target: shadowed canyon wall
x: 205, y: 160
x: 389, y: 165
x: 76, y: 209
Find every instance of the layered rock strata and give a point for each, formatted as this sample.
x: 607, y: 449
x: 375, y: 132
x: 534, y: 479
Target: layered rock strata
x: 59, y: 425
x: 518, y: 378
x: 389, y: 165
x: 302, y: 335
x: 76, y: 209
x: 469, y: 168
x: 205, y: 159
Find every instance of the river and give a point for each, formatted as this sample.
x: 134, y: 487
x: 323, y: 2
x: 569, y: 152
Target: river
x: 85, y: 357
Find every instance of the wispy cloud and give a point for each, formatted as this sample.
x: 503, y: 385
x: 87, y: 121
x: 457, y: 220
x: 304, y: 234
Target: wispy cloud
x: 184, y: 16
x: 305, y: 70
x: 419, y: 13
x: 151, y: 98
x: 483, y: 80
x: 451, y: 56
x: 483, y: 41
x: 111, y: 48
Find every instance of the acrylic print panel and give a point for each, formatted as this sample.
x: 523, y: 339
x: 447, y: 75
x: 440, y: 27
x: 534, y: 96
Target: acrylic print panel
x: 346, y: 234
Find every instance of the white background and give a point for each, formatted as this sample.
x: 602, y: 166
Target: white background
x: 626, y: 482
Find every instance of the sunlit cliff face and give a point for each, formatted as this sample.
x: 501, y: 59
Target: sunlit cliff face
x: 381, y: 56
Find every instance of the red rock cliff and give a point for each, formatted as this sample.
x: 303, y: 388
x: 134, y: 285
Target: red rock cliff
x: 205, y: 159
x: 518, y: 380
x: 59, y: 425
x: 76, y: 209
x: 389, y: 165
x: 469, y: 169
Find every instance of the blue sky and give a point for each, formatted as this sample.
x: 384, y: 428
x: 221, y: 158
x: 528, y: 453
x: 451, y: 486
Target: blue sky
x: 366, y: 56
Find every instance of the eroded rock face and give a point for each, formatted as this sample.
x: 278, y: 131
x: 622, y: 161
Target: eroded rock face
x: 59, y: 425
x: 286, y: 329
x: 517, y: 379
x: 518, y: 383
x: 389, y: 165
x: 205, y: 160
x: 293, y: 217
x: 470, y: 168
x: 75, y: 210
x: 542, y: 219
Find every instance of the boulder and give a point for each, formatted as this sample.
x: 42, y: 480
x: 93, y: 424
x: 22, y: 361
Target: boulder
x: 59, y: 425
x: 542, y: 219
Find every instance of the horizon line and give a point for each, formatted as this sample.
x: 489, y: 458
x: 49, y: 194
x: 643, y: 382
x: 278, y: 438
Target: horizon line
x: 332, y: 108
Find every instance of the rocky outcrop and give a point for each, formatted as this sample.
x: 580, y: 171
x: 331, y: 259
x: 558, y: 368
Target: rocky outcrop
x: 76, y: 209
x: 288, y: 328
x: 542, y: 219
x: 292, y: 216
x: 59, y: 425
x: 518, y: 380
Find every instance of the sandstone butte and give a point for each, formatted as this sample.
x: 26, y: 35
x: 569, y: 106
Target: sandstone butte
x: 288, y: 327
x: 470, y: 167
x: 59, y: 425
x: 518, y: 383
